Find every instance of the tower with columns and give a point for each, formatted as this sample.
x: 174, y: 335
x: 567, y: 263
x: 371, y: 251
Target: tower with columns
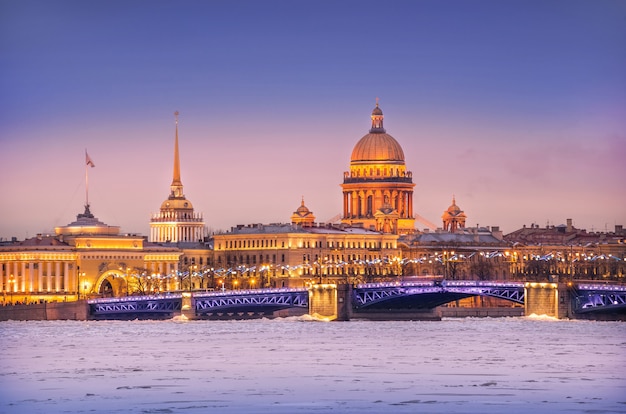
x: 176, y: 221
x: 378, y: 189
x: 453, y: 218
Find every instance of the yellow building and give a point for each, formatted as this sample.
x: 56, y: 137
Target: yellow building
x: 290, y: 255
x: 378, y: 189
x: 83, y: 259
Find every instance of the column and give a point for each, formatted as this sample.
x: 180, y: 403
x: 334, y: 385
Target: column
x: 3, y: 280
x: 23, y: 284
x: 66, y: 277
x: 31, y: 276
x: 49, y: 277
x: 40, y: 277
x: 362, y: 206
x: 57, y: 276
x: 16, y: 277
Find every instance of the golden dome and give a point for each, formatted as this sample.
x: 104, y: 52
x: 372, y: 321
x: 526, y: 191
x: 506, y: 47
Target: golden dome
x: 176, y: 204
x: 302, y: 210
x: 377, y: 146
x: 453, y: 210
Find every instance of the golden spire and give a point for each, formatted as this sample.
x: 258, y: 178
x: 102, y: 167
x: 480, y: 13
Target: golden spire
x: 177, y: 185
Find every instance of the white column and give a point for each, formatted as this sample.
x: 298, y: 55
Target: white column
x: 16, y: 277
x: 40, y: 277
x: 66, y: 277
x: 23, y: 284
x: 31, y: 276
x: 57, y: 276
x: 49, y: 277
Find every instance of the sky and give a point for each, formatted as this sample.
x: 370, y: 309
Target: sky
x: 516, y: 108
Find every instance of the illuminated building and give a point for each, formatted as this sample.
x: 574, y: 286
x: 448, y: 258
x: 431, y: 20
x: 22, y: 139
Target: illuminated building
x: 286, y: 255
x: 378, y: 189
x: 83, y: 259
x: 176, y: 221
x: 564, y: 252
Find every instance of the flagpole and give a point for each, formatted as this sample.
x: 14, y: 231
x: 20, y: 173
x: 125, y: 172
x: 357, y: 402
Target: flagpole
x: 86, y: 180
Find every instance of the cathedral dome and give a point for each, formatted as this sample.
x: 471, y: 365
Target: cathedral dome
x: 377, y: 147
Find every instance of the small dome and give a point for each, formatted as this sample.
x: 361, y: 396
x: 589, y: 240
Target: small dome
x: 176, y: 204
x: 377, y: 110
x: 377, y: 147
x: 454, y: 209
x: 303, y: 210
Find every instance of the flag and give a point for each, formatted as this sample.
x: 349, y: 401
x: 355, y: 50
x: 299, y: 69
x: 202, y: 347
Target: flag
x: 88, y: 160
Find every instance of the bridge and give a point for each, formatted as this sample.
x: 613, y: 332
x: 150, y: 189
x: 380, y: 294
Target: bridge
x: 226, y: 304
x: 569, y: 300
x: 599, y: 298
x: 430, y: 294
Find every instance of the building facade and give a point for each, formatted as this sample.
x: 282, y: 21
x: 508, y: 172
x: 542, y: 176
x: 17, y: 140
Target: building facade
x: 291, y: 255
x: 86, y: 258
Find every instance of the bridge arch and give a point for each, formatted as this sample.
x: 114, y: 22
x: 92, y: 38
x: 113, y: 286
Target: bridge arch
x: 428, y: 295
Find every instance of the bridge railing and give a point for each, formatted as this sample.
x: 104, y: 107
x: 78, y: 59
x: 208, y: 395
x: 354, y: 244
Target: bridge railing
x: 247, y: 292
x: 135, y: 298
x: 601, y: 287
x: 443, y: 283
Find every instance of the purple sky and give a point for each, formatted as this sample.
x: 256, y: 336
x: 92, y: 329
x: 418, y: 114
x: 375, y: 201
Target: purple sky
x: 518, y: 108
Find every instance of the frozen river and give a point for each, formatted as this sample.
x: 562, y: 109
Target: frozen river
x: 294, y: 365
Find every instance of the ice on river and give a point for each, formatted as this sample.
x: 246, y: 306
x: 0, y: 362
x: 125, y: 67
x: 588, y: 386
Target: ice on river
x: 294, y: 365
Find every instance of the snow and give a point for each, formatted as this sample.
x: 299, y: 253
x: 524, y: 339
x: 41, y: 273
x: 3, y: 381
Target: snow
x: 299, y: 365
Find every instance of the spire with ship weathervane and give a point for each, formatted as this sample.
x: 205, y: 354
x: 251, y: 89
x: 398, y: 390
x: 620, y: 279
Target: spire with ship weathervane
x: 177, y: 185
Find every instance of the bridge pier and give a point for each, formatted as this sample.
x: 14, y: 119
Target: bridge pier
x: 330, y: 301
x: 551, y: 299
x: 188, y: 306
